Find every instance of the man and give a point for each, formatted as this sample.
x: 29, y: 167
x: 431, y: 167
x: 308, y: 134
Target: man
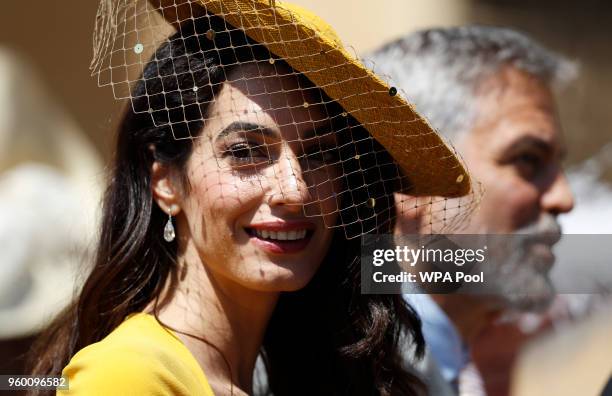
x: 488, y: 90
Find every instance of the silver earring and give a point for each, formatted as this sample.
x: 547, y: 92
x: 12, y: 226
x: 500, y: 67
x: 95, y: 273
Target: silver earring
x: 169, y: 233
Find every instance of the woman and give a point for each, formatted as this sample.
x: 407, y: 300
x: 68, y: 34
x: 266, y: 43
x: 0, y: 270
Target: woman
x: 235, y: 185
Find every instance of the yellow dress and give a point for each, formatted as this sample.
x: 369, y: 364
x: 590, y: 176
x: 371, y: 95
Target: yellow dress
x: 139, y: 357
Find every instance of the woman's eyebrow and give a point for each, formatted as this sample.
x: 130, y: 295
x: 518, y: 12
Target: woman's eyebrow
x: 320, y: 130
x: 245, y: 126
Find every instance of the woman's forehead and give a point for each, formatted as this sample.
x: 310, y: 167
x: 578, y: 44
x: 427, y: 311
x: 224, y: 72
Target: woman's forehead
x: 282, y: 86
x: 269, y: 94
x: 268, y: 71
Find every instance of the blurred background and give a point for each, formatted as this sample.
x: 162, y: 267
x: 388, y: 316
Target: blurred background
x: 57, y: 41
x: 56, y: 126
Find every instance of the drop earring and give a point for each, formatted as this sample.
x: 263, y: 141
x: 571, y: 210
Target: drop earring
x: 169, y: 233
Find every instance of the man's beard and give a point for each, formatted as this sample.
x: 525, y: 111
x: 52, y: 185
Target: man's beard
x: 517, y: 269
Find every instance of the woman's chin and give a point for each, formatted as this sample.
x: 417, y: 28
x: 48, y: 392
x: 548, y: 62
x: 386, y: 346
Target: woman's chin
x: 277, y: 278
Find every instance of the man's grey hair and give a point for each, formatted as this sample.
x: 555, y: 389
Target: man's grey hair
x: 440, y: 69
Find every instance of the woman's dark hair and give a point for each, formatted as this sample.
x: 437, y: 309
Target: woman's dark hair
x: 327, y: 338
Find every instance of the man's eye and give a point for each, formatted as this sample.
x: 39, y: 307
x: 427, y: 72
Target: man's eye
x: 528, y: 164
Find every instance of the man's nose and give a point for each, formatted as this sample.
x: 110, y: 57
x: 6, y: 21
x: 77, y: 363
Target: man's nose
x: 558, y: 198
x: 290, y: 189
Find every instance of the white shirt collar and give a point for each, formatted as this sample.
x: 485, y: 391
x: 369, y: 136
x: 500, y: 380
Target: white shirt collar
x: 442, y: 338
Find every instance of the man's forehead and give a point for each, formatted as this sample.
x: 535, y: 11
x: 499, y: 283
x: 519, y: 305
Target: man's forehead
x: 517, y: 81
x: 513, y: 105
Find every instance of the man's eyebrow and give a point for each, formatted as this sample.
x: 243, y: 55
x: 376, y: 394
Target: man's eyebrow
x: 245, y: 126
x: 531, y: 142
x: 541, y: 144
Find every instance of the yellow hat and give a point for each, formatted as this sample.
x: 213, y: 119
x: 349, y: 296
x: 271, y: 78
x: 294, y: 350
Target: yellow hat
x: 310, y: 46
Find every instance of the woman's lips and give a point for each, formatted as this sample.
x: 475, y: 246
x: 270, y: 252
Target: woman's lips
x: 281, y: 237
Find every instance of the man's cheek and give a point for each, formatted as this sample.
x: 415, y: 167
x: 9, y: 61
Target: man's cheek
x: 522, y: 200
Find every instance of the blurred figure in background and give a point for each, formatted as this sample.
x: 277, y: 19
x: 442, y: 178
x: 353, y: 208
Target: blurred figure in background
x: 574, y: 360
x: 556, y: 364
x: 49, y: 193
x: 490, y: 91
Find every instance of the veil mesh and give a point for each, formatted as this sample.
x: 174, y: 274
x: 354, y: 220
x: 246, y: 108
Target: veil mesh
x: 281, y: 106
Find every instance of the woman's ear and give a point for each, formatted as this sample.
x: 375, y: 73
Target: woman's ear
x: 165, y: 190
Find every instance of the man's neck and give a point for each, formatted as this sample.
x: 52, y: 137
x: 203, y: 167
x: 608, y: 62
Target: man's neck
x: 470, y: 314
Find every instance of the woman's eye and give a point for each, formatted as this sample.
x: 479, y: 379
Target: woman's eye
x: 322, y: 156
x: 247, y: 153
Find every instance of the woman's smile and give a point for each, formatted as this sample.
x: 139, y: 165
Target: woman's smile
x: 281, y: 237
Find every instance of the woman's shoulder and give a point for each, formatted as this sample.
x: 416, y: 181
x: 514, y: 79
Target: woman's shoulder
x: 139, y: 357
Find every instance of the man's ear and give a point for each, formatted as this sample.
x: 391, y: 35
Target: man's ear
x: 165, y: 190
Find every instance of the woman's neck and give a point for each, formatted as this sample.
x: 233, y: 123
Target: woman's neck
x: 221, y: 323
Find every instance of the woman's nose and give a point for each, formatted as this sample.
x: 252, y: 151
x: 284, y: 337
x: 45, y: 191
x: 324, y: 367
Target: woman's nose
x: 290, y: 188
